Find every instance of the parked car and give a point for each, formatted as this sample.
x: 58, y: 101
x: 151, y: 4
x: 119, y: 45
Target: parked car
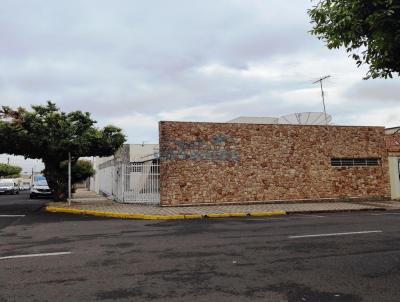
x: 8, y: 186
x: 25, y: 185
x: 39, y: 187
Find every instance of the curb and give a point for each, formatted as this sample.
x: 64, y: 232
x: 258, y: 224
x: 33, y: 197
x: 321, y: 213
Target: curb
x: 159, y: 217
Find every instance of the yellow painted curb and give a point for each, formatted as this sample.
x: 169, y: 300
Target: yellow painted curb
x: 239, y: 214
x: 194, y: 216
x: 158, y: 217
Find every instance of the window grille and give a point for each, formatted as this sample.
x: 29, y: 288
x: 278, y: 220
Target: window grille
x: 350, y: 162
x: 136, y: 167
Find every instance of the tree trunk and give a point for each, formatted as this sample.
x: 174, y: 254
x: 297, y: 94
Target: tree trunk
x: 57, y: 181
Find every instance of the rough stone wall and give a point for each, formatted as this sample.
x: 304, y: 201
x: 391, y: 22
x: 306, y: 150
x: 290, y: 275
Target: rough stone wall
x: 226, y: 162
x: 393, y: 144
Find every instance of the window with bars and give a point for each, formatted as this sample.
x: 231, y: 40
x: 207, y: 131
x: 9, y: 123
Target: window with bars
x: 350, y: 162
x: 136, y: 168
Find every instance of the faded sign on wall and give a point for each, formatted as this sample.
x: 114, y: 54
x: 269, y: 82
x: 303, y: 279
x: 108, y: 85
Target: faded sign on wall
x: 219, y: 147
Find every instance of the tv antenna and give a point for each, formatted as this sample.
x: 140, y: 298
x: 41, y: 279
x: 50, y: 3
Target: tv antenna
x: 320, y: 80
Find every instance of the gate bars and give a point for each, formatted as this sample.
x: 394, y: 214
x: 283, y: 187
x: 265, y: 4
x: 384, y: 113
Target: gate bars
x: 131, y: 182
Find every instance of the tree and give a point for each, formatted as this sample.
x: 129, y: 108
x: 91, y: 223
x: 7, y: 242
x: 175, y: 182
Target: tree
x: 11, y: 171
x: 80, y: 171
x: 369, y: 30
x: 48, y: 134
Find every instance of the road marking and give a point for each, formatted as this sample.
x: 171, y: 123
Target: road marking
x: 12, y: 216
x: 334, y: 234
x: 35, y: 255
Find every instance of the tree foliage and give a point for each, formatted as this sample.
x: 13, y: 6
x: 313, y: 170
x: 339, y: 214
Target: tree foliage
x: 369, y: 30
x: 80, y: 171
x: 7, y: 170
x: 48, y: 134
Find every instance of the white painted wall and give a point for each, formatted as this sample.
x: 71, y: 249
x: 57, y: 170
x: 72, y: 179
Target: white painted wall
x: 394, y: 177
x: 95, y: 180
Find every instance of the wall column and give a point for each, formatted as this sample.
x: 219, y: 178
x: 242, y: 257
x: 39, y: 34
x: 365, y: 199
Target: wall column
x: 394, y: 177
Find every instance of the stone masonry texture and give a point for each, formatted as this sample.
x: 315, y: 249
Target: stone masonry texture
x: 393, y: 144
x: 215, y: 163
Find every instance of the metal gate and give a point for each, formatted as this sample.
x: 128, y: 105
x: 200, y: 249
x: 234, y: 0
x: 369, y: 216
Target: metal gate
x: 141, y: 182
x: 130, y: 182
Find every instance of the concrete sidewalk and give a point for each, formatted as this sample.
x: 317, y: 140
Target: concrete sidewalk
x: 85, y: 202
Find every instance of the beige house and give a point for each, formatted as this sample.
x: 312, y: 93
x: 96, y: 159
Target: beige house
x: 130, y: 175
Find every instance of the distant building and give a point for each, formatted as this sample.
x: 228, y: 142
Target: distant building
x: 128, y: 170
x: 255, y: 120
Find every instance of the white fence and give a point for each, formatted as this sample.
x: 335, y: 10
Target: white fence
x: 130, y: 182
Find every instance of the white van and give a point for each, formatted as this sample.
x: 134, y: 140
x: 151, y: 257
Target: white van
x: 39, y: 187
x: 24, y: 185
x: 8, y: 186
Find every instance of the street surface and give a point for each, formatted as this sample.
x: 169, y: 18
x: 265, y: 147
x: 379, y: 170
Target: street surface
x: 326, y: 257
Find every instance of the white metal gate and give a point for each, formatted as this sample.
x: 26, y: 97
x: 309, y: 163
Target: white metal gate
x: 141, y: 182
x: 130, y: 182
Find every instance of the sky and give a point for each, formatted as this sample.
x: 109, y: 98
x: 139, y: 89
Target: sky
x: 133, y: 63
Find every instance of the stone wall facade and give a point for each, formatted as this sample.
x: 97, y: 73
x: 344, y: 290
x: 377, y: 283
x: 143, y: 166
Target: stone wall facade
x: 214, y: 163
x: 393, y: 143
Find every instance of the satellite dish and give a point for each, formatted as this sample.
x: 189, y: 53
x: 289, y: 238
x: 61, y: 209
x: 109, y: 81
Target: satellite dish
x: 306, y: 118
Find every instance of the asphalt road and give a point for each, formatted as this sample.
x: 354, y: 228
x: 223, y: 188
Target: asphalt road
x: 11, y: 206
x: 336, y: 257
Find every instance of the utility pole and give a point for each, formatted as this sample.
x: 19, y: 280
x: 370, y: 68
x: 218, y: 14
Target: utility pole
x: 323, y: 94
x: 69, y: 178
x: 8, y: 161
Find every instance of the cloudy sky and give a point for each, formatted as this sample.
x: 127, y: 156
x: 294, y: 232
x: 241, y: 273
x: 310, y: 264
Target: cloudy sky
x: 133, y: 63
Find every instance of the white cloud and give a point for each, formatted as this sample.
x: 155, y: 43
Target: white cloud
x: 252, y: 72
x: 132, y: 62
x: 144, y: 127
x: 388, y: 117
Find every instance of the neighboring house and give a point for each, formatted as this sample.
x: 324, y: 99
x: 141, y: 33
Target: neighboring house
x: 392, y: 140
x: 132, y: 175
x: 142, y: 174
x: 24, y: 182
